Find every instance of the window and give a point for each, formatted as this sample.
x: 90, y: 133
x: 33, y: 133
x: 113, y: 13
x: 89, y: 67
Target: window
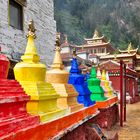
x: 99, y: 50
x: 103, y: 50
x: 15, y: 14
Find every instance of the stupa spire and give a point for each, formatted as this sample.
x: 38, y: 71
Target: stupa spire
x: 74, y: 53
x: 99, y: 75
x: 57, y: 62
x: 107, y: 76
x: 30, y: 54
x: 74, y: 64
x: 103, y: 74
x: 93, y: 71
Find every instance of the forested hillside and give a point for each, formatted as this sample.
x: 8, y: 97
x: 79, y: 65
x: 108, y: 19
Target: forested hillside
x: 118, y: 20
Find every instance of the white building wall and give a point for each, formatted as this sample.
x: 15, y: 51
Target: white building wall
x: 13, y: 40
x: 82, y: 55
x: 65, y: 50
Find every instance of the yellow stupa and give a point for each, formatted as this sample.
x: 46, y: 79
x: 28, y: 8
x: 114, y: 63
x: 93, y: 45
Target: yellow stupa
x: 110, y: 82
x: 106, y: 86
x: 59, y: 79
x: 31, y: 75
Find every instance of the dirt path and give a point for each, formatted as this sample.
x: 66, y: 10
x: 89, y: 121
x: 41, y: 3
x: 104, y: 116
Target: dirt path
x: 131, y: 129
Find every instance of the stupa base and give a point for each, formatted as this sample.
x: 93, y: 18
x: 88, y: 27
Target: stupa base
x: 107, y: 103
x: 13, y: 114
x: 63, y: 102
x: 109, y: 94
x: 108, y: 91
x: 75, y: 107
x: 44, y: 117
x: 85, y: 99
x: 43, y: 100
x: 68, y: 97
x: 97, y: 97
x: 15, y: 124
x: 45, y: 110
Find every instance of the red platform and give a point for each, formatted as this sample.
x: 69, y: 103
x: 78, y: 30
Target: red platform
x: 13, y: 114
x: 107, y: 103
x: 57, y: 127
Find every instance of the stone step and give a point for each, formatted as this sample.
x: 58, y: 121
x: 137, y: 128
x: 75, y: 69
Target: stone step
x: 11, y: 89
x: 76, y: 107
x: 4, y: 120
x: 39, y: 84
x: 13, y: 98
x: 43, y: 91
x: 10, y: 92
x: 10, y: 84
x: 6, y: 80
x: 15, y: 124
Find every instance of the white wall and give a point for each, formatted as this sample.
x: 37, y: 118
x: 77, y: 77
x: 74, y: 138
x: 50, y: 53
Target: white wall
x: 83, y: 55
x: 42, y: 12
x: 65, y: 50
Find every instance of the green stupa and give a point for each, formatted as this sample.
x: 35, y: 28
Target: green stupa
x: 95, y: 88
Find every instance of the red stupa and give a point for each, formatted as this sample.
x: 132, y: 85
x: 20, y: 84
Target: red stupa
x: 13, y: 100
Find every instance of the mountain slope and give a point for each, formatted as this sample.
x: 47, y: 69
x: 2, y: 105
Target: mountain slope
x: 118, y: 20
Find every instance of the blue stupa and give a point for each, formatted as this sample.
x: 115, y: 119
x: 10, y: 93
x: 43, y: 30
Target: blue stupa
x: 79, y: 83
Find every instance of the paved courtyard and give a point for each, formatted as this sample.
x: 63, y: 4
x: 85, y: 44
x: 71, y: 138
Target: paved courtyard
x: 131, y: 129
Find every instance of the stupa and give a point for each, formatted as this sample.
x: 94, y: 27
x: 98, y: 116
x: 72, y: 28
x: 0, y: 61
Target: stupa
x: 79, y: 83
x: 59, y: 79
x: 110, y: 82
x: 99, y: 75
x: 94, y: 87
x: 31, y: 75
x: 13, y: 100
x: 105, y: 85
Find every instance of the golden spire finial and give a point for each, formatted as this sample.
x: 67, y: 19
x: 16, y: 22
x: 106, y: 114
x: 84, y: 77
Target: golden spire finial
x: 115, y: 56
x: 31, y: 52
x: 31, y: 29
x: 74, y: 52
x: 129, y: 47
x: 57, y: 43
x: 96, y: 34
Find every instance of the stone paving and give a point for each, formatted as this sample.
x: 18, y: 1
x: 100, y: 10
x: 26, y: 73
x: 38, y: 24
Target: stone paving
x: 131, y: 129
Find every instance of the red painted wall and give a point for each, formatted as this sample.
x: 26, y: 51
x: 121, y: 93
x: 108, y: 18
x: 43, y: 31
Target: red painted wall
x: 115, y: 82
